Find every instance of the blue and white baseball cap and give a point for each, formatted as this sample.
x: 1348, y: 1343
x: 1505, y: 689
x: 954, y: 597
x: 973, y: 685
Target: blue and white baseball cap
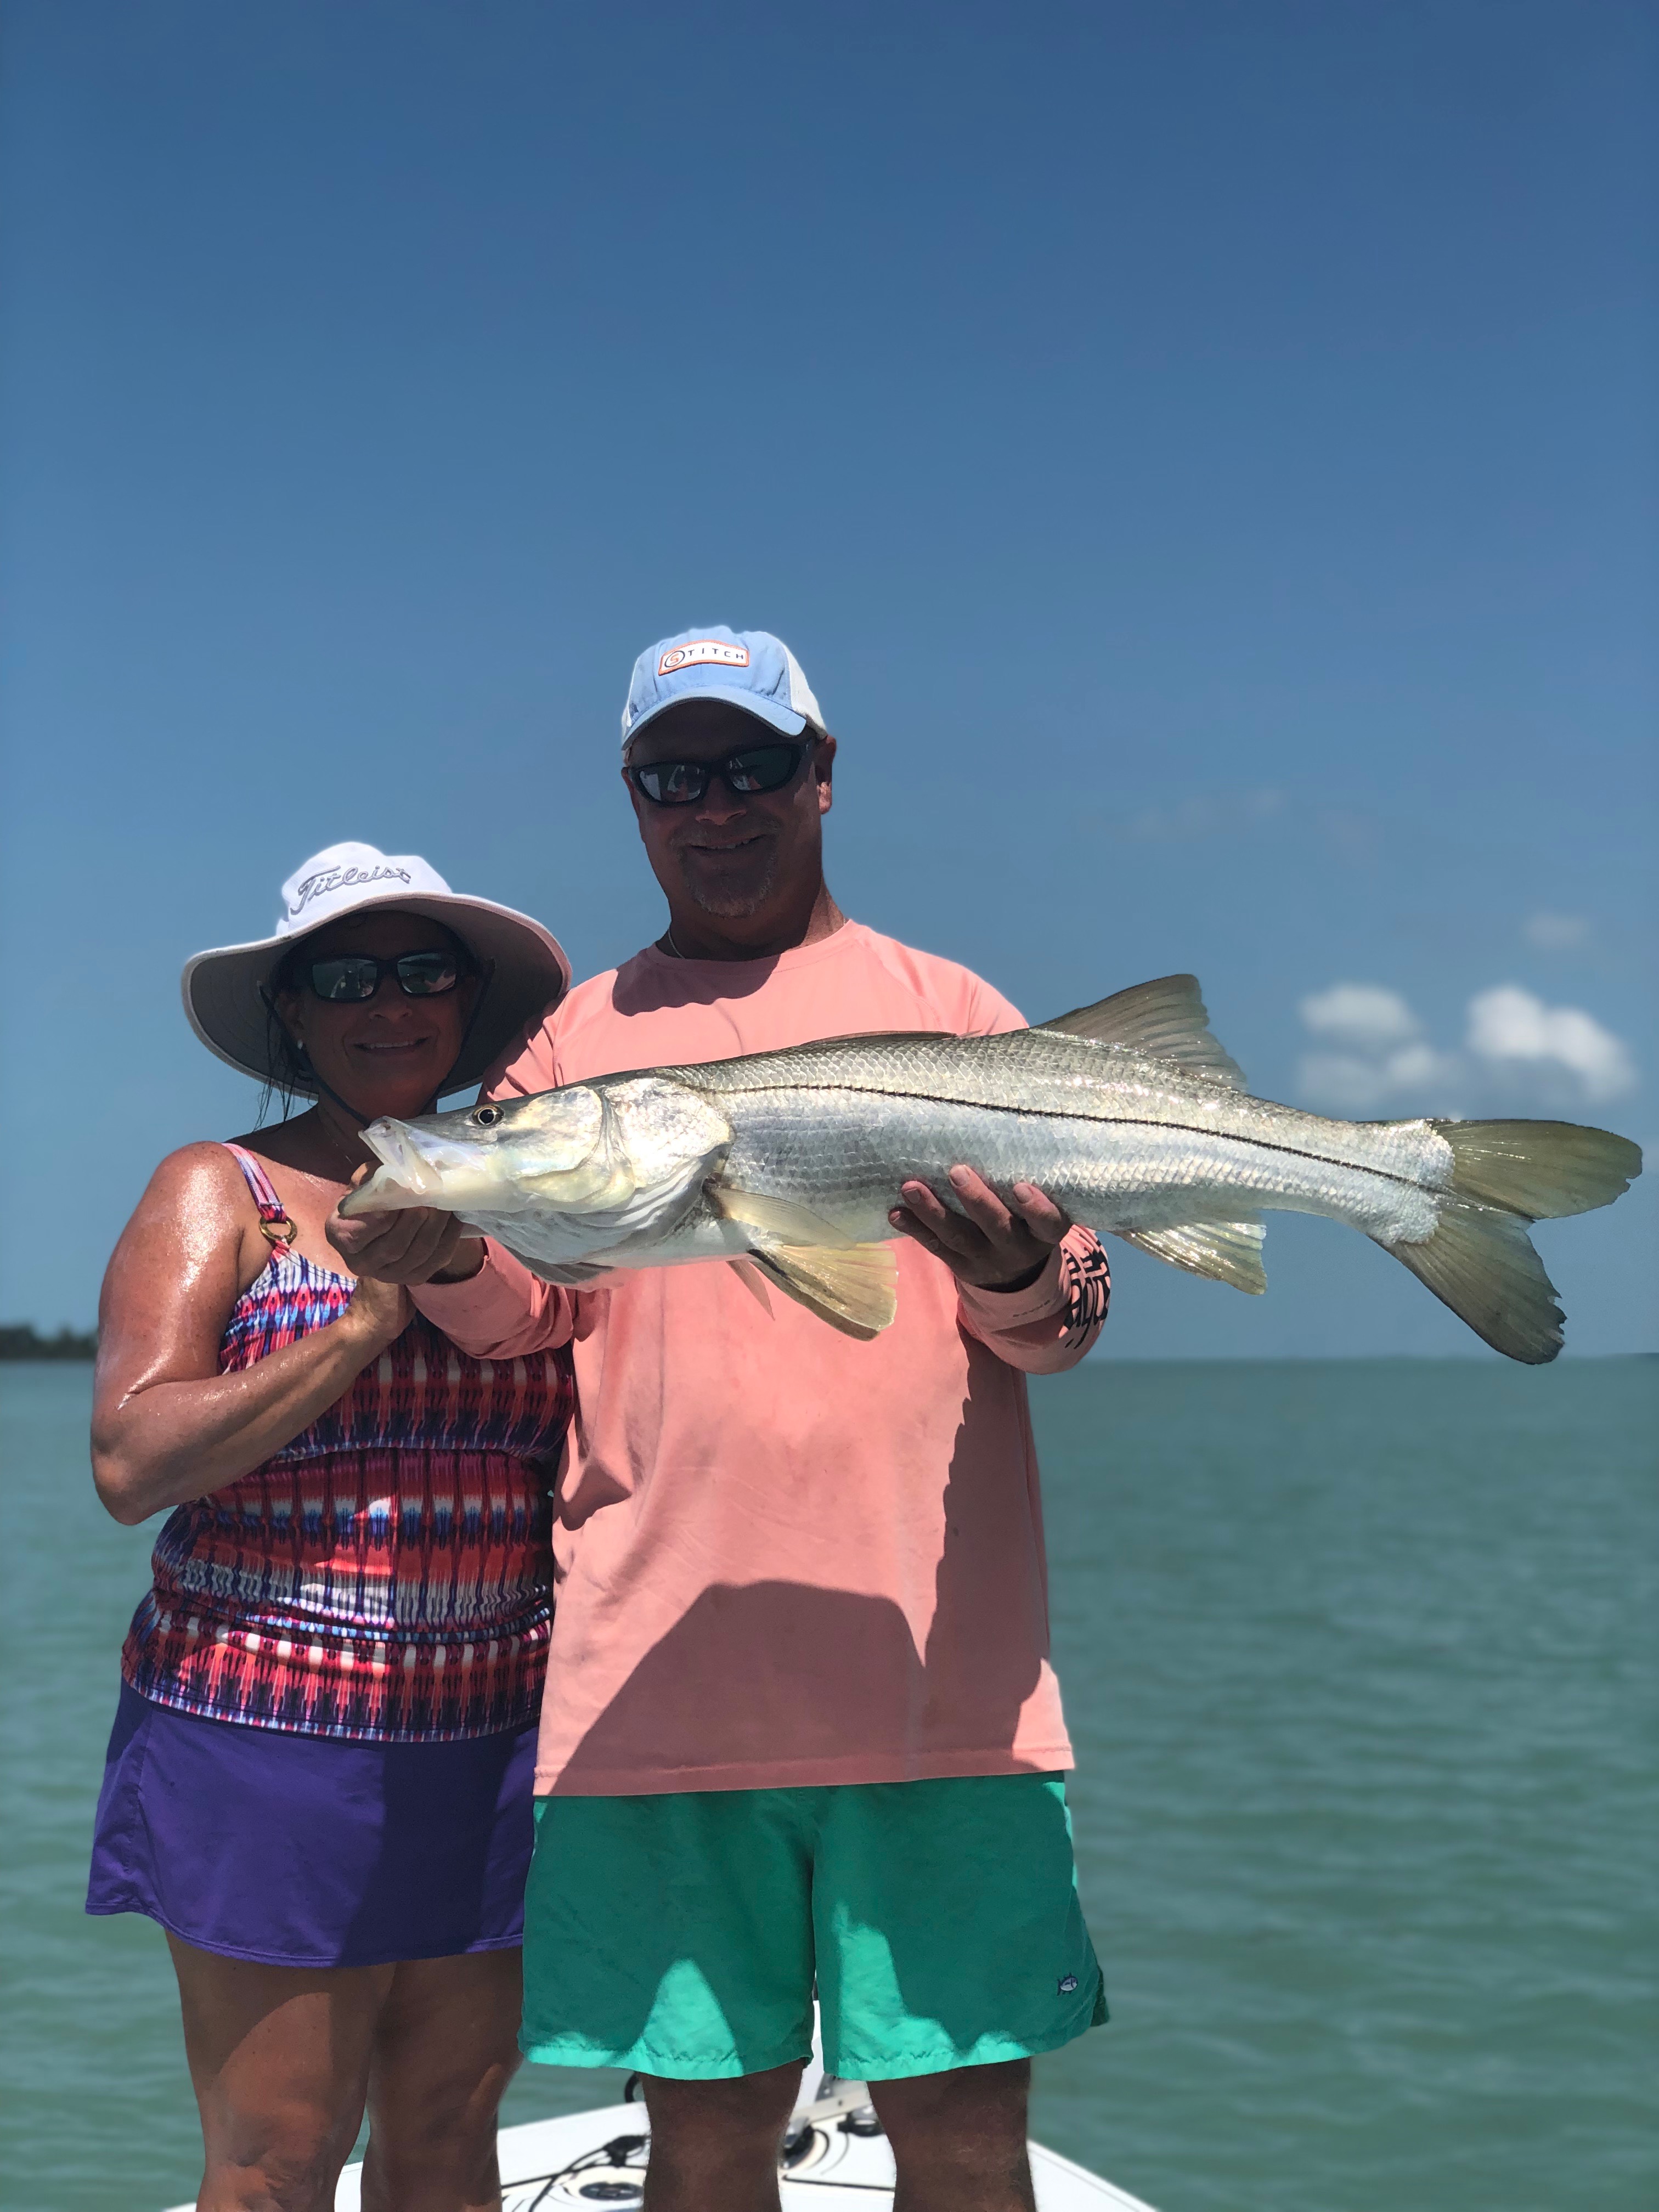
x: 747, y: 668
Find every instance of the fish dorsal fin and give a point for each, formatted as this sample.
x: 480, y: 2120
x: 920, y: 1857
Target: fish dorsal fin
x: 854, y: 1288
x: 1166, y: 1018
x: 1225, y: 1251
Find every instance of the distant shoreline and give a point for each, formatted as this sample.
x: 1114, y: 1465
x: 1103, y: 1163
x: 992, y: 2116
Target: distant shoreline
x: 22, y: 1341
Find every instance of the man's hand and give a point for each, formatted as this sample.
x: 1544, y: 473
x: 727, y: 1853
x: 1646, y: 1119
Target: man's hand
x: 422, y: 1245
x: 987, y: 1244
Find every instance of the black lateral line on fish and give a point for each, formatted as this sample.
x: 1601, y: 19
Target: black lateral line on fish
x: 1115, y: 1122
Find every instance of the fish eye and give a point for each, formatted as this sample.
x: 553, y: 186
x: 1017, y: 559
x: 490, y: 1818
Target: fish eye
x: 487, y: 1116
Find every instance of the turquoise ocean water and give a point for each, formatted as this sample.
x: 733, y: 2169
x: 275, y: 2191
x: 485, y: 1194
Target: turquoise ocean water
x: 1360, y: 1661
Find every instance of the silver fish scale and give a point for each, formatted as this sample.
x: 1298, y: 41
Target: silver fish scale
x: 777, y: 1158
x: 1122, y: 1140
x: 1033, y: 1072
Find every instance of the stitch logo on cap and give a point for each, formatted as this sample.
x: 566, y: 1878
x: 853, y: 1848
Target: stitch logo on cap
x: 702, y: 652
x: 335, y: 879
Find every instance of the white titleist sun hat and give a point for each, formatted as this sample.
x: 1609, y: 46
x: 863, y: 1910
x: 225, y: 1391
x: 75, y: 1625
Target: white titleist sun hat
x: 747, y: 668
x: 227, y: 991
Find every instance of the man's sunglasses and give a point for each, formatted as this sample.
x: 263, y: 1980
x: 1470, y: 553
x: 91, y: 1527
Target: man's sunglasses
x: 355, y: 976
x: 756, y: 768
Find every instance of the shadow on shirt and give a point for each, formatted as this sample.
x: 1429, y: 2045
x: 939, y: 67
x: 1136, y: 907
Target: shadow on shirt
x: 798, y: 1674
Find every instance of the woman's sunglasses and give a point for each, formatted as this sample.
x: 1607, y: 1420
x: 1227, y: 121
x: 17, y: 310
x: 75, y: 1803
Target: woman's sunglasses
x: 756, y: 768
x: 355, y: 976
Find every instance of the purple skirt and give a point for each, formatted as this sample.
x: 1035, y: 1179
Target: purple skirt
x: 301, y: 1851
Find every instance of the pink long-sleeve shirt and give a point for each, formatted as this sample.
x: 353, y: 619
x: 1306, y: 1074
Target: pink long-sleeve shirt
x: 784, y: 1556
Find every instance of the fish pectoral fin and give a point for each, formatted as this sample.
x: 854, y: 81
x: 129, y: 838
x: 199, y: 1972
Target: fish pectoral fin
x: 1166, y: 1018
x: 754, y: 1282
x: 774, y: 1221
x: 1225, y: 1251
x: 854, y: 1288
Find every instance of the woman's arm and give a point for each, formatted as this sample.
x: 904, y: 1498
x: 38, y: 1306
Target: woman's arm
x: 166, y: 1425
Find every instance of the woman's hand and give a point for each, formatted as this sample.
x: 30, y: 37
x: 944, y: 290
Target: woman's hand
x: 420, y: 1244
x: 378, y: 1315
x: 993, y: 1246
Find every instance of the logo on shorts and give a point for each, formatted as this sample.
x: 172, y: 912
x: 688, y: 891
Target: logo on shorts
x: 1067, y: 1983
x: 702, y: 652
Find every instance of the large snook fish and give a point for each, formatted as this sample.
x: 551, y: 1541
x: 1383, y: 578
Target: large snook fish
x: 1128, y: 1113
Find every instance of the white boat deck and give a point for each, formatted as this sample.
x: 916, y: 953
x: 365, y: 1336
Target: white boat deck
x: 836, y: 2161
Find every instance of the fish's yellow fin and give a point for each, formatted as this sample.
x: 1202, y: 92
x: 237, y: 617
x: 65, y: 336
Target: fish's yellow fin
x: 1166, y: 1018
x: 1225, y: 1251
x: 776, y: 1221
x: 854, y: 1288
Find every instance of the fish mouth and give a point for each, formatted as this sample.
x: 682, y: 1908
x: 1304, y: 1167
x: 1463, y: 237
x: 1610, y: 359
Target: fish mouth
x: 395, y: 1145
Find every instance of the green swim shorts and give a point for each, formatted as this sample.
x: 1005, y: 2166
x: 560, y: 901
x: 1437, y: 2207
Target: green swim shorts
x: 683, y: 1934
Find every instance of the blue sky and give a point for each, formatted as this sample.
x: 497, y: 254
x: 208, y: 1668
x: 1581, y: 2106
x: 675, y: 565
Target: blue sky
x: 1203, y: 456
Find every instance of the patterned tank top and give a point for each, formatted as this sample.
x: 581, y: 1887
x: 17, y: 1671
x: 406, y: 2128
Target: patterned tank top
x: 387, y: 1575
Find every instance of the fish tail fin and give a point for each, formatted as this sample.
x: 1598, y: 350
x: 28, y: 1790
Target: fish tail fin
x: 1539, y: 1170
x: 1506, y: 1174
x: 1480, y: 1262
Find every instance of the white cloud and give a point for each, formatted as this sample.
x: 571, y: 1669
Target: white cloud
x: 1518, y: 1054
x: 1556, y: 933
x: 1201, y: 814
x: 1363, y: 1016
x: 1508, y: 1025
x: 1355, y: 1083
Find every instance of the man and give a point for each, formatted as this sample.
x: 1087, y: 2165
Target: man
x: 801, y: 1724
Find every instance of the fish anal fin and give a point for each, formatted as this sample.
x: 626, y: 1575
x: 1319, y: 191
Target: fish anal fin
x: 774, y: 1221
x: 1225, y: 1251
x: 1166, y: 1018
x: 854, y: 1287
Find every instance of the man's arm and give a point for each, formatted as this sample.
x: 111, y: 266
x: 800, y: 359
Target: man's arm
x: 502, y: 1312
x: 1041, y: 1318
x: 1049, y: 1327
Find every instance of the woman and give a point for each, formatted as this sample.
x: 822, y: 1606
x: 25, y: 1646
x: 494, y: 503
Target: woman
x: 319, y: 1778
